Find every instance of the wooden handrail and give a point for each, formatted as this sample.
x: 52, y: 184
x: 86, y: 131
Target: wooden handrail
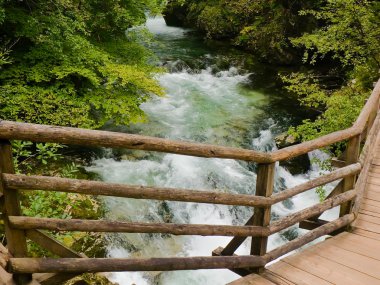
x: 28, y: 223
x: 25, y: 182
x: 78, y: 265
x: 309, y: 212
x: 94, y: 138
x: 33, y: 182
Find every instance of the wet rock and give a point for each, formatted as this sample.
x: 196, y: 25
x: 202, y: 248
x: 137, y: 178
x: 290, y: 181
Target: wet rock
x: 284, y: 140
x: 175, y: 14
x: 297, y: 165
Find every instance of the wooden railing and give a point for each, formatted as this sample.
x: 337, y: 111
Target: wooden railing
x: 18, y: 228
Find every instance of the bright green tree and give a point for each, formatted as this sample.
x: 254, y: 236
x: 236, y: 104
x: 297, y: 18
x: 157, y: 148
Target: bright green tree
x: 69, y: 62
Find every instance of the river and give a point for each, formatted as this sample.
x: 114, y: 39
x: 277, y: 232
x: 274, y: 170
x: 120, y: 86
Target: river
x: 214, y: 94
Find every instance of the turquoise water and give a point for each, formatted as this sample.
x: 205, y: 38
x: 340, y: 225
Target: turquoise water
x: 214, y: 94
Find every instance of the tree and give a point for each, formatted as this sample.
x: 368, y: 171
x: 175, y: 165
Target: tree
x: 69, y: 62
x: 351, y: 36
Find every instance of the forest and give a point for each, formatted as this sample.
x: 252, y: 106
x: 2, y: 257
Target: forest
x: 92, y: 64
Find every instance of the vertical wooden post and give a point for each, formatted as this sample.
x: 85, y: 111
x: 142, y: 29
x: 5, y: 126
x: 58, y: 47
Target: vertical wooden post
x: 264, y: 187
x: 352, y: 156
x: 16, y: 239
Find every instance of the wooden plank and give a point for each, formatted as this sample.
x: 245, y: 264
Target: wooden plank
x: 368, y: 234
x: 372, y: 203
x: 358, y: 244
x: 370, y: 208
x: 359, y: 262
x: 28, y: 223
x: 252, y: 279
x: 294, y: 275
x: 364, y: 225
x: 369, y: 213
x: 262, y: 216
x: 368, y: 218
x: 329, y: 270
x: 372, y: 195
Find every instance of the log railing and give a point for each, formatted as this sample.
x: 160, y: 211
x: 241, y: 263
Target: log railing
x: 19, y: 228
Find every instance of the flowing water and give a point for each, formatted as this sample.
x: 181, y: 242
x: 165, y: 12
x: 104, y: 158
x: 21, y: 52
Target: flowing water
x: 216, y: 95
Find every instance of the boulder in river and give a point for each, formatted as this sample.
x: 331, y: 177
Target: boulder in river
x: 297, y: 165
x: 175, y: 14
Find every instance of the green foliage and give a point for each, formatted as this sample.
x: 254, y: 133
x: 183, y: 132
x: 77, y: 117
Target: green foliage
x: 351, y: 35
x: 67, y: 66
x: 262, y: 26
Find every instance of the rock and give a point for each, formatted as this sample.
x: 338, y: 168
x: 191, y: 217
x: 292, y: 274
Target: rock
x: 175, y: 14
x: 297, y: 165
x: 285, y: 140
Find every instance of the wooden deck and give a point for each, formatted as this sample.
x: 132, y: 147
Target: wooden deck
x: 348, y: 258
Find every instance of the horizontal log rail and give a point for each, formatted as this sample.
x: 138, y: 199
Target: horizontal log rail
x: 28, y: 223
x: 78, y: 265
x: 26, y: 182
x: 31, y: 223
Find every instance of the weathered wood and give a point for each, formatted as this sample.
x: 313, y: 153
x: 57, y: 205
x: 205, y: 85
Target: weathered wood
x: 240, y: 271
x: 261, y: 216
x: 306, y: 147
x: 352, y: 156
x: 78, y: 265
x: 336, y: 162
x: 234, y: 244
x: 373, y: 102
x: 16, y: 240
x: 28, y: 223
x: 51, y: 244
x: 57, y: 248
x: 295, y: 218
x: 131, y: 191
x: 93, y: 138
x: 309, y: 237
x: 322, y: 180
x: 313, y: 224
x: 366, y: 159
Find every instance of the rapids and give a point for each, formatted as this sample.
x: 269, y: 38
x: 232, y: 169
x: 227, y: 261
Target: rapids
x: 211, y: 97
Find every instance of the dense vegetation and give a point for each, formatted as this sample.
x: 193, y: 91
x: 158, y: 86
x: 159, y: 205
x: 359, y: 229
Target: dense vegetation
x: 337, y: 40
x: 71, y: 63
